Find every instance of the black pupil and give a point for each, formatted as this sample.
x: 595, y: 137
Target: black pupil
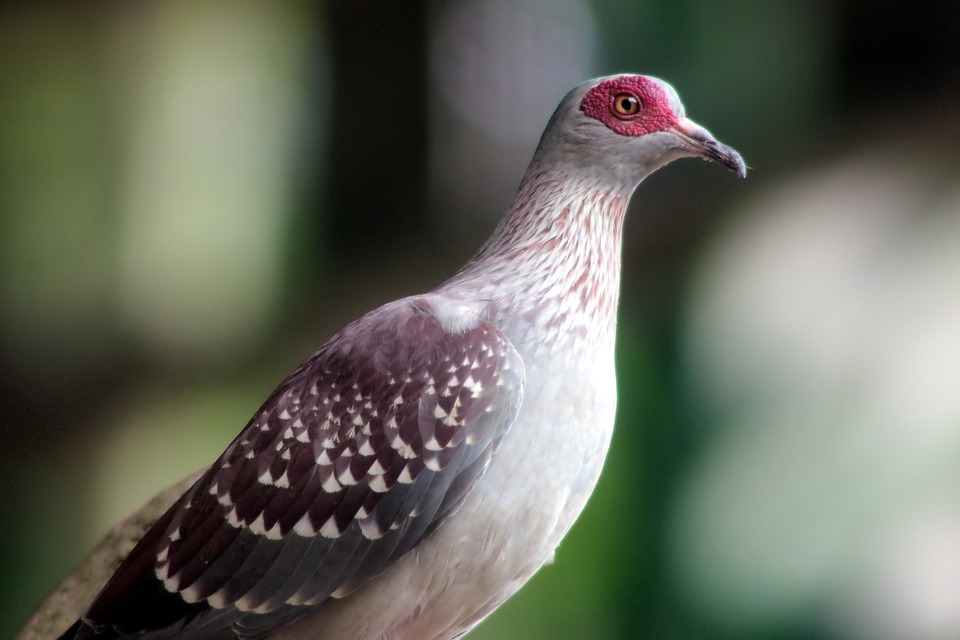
x: 626, y: 104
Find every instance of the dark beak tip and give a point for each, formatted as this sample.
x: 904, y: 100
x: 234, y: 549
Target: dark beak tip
x: 729, y: 158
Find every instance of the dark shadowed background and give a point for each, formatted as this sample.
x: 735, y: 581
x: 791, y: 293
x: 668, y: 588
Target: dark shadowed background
x: 194, y: 195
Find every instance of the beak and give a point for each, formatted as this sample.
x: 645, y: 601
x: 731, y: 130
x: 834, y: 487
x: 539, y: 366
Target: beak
x: 698, y: 141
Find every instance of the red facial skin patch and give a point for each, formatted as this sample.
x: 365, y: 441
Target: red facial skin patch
x: 655, y: 113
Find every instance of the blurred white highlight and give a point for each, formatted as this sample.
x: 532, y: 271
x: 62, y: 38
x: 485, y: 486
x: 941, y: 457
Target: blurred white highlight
x: 824, y: 342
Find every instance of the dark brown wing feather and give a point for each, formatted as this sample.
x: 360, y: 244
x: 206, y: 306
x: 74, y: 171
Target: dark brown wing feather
x: 360, y: 453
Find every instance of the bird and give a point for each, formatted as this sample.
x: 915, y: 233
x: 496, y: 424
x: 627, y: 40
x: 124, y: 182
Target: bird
x: 426, y: 461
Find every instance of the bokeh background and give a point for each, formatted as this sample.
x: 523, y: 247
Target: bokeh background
x: 193, y: 195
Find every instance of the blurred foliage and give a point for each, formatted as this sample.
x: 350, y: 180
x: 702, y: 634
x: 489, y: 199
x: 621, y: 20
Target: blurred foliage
x: 194, y: 195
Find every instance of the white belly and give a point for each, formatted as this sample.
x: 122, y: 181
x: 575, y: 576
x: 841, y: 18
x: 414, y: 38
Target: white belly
x: 508, y: 527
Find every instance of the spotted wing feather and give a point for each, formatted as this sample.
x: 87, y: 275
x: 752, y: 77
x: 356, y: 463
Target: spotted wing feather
x: 359, y: 454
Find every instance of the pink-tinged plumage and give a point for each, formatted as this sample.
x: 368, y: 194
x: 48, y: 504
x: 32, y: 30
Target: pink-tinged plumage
x: 554, y: 263
x: 427, y: 460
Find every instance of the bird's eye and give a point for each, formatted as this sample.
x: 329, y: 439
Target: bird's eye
x: 626, y: 104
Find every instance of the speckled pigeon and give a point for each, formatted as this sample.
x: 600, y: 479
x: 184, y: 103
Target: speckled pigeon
x: 417, y: 469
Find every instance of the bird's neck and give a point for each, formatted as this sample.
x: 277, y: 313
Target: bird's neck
x: 551, y: 270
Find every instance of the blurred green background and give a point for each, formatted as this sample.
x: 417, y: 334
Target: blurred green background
x: 193, y: 195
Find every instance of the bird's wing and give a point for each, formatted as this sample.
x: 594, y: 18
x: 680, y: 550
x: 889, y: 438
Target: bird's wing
x: 360, y: 453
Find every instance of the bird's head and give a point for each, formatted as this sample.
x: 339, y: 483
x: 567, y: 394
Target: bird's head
x: 625, y: 127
